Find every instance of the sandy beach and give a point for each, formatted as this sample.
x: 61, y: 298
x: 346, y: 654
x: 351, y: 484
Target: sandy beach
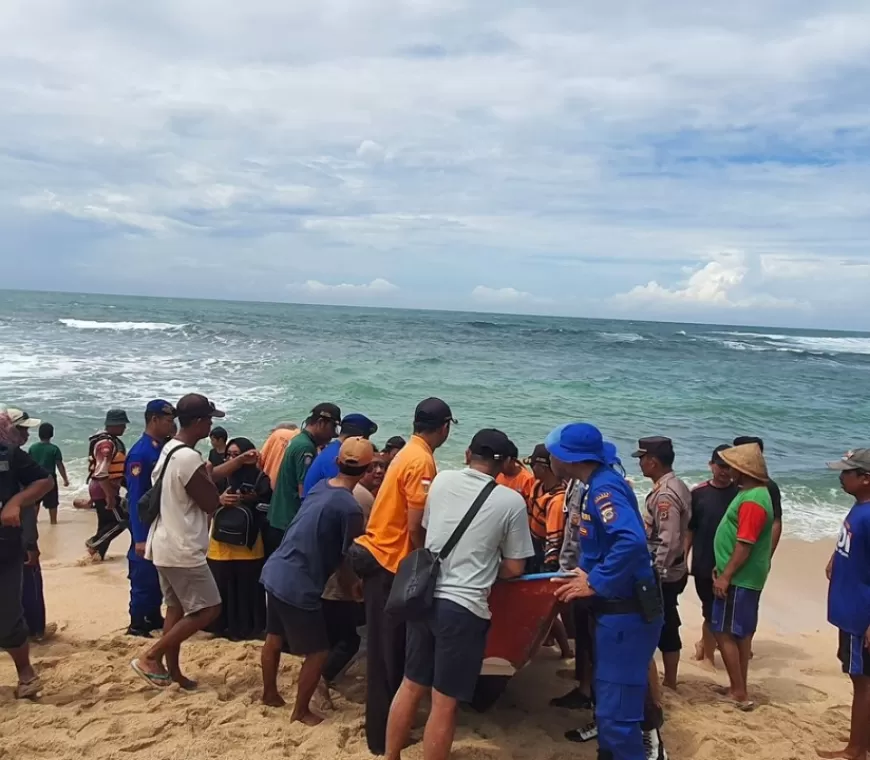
x: 94, y: 706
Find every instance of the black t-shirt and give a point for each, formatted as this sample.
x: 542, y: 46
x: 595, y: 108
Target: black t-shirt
x: 709, y: 504
x: 776, y: 499
x: 18, y: 470
x: 215, y: 458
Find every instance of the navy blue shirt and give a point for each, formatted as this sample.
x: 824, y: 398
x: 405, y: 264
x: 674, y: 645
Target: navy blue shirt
x: 140, y: 463
x: 613, y: 549
x: 313, y: 546
x: 323, y: 467
x: 849, y: 592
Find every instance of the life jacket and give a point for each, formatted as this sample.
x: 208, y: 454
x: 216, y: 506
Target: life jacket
x: 116, y: 466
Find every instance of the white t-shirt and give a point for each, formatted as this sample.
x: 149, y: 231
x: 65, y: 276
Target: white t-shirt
x: 179, y: 536
x: 500, y: 530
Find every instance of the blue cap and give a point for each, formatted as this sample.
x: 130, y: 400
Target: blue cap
x: 160, y: 406
x: 576, y: 442
x: 358, y: 424
x: 611, y: 455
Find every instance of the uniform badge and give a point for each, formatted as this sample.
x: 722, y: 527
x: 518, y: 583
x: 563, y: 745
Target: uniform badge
x: 307, y: 459
x: 586, y: 516
x: 663, y: 510
x: 136, y: 470
x: 608, y: 514
x: 426, y: 484
x: 603, y: 496
x: 583, y: 530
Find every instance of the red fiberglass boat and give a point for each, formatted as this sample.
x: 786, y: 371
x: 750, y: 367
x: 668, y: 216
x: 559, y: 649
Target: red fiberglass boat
x: 523, y: 610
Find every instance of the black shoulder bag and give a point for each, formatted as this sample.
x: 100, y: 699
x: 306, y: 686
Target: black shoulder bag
x: 413, y: 592
x: 148, y: 507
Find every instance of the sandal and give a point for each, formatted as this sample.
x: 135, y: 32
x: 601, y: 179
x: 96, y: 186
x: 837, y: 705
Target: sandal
x: 28, y: 689
x: 157, y: 680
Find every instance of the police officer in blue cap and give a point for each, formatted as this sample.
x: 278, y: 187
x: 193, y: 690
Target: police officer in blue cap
x: 616, y: 572
x: 325, y: 464
x: 145, y: 594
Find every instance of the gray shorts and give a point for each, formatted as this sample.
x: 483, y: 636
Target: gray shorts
x: 191, y: 588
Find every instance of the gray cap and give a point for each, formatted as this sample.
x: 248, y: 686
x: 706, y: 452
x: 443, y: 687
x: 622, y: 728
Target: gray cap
x: 116, y: 417
x: 856, y: 459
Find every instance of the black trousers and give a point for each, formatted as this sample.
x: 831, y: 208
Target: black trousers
x: 342, y: 619
x: 385, y: 653
x: 110, y: 525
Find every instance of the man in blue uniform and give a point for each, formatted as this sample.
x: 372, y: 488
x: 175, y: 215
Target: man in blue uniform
x: 145, y: 594
x: 616, y: 572
x: 325, y: 464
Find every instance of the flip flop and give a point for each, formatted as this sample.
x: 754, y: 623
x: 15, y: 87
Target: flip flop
x: 157, y: 680
x: 747, y: 706
x: 585, y: 734
x: 28, y: 689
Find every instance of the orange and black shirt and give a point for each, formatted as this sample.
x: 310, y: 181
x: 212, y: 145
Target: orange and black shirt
x: 547, y: 519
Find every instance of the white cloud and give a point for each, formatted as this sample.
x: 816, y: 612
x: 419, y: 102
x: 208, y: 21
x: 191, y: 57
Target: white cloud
x: 378, y: 286
x: 720, y: 283
x: 504, y: 296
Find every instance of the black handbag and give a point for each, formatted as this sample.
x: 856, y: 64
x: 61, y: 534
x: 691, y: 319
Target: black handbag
x: 413, y: 592
x: 148, y: 506
x: 236, y: 526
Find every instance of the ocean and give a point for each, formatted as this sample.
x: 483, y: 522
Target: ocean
x: 67, y: 358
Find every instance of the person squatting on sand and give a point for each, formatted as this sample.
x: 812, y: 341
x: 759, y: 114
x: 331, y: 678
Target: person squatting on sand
x: 22, y: 484
x: 848, y: 572
x: 178, y: 541
x: 445, y: 650
x: 296, y: 574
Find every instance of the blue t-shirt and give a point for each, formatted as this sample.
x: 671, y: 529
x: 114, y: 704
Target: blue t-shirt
x: 323, y: 467
x: 140, y: 463
x: 313, y: 546
x: 849, y: 592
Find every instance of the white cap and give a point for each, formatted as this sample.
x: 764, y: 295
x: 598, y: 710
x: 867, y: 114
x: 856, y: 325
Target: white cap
x: 22, y: 419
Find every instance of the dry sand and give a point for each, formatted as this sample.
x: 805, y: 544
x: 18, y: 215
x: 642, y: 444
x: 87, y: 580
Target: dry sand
x: 94, y: 706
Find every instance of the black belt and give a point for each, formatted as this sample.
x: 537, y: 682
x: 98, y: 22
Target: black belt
x: 616, y: 606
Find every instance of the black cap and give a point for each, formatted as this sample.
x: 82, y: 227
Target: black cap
x: 539, y: 456
x: 195, y: 405
x: 116, y: 417
x: 742, y: 440
x: 434, y: 411
x: 514, y: 452
x: 491, y: 444
x: 219, y: 433
x: 654, y: 446
x: 396, y: 443
x: 716, y: 459
x: 325, y: 411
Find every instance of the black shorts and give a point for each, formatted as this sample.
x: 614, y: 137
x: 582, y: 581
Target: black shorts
x: 445, y: 652
x: 52, y: 498
x: 704, y: 590
x: 670, y: 641
x: 304, y: 631
x: 854, y: 656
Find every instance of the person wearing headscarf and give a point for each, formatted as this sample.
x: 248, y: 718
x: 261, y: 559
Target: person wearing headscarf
x: 235, y: 550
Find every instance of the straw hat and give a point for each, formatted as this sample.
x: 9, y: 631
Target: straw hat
x: 747, y: 459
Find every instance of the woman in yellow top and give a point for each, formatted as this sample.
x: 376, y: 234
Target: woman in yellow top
x: 235, y: 549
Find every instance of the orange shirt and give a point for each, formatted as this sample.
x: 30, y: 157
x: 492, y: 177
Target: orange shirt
x: 547, y: 519
x: 523, y: 483
x: 272, y: 453
x: 405, y: 487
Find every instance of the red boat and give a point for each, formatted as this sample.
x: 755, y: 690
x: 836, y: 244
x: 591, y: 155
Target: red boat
x: 523, y: 611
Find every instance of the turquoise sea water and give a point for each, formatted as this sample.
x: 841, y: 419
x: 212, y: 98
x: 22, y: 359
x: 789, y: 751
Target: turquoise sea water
x: 67, y: 358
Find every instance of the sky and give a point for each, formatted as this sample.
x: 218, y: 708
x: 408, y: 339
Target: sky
x: 683, y: 161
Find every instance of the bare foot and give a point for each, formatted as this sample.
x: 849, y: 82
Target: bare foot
x: 669, y: 685
x: 699, y: 651
x: 307, y: 717
x: 273, y: 700
x: 184, y: 682
x: 844, y: 754
x: 324, y: 698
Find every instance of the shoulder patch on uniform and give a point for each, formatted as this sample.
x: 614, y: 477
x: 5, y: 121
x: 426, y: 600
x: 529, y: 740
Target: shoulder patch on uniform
x: 603, y: 496
x: 308, y: 458
x: 426, y: 482
x: 608, y: 514
x: 663, y: 508
x: 135, y: 469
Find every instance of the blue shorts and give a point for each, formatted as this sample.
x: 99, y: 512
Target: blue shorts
x: 737, y: 613
x: 854, y: 656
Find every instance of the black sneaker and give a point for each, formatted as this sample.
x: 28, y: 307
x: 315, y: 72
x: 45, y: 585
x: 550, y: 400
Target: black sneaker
x: 154, y: 623
x: 140, y: 632
x: 585, y: 734
x: 653, y: 746
x: 573, y: 700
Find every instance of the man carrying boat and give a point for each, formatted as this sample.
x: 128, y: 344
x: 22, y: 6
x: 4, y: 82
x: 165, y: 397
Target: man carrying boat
x: 616, y: 572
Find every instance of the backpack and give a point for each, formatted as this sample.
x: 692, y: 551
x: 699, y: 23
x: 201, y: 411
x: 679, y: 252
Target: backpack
x: 236, y: 526
x: 148, y: 507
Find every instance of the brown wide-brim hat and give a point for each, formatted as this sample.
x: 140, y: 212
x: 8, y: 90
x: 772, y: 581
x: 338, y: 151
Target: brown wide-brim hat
x: 748, y: 460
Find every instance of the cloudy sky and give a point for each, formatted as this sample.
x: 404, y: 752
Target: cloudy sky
x: 637, y: 159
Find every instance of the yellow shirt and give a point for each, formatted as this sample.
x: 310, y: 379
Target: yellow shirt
x: 221, y: 552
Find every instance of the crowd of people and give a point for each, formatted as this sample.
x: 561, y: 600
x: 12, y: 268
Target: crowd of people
x: 299, y: 543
